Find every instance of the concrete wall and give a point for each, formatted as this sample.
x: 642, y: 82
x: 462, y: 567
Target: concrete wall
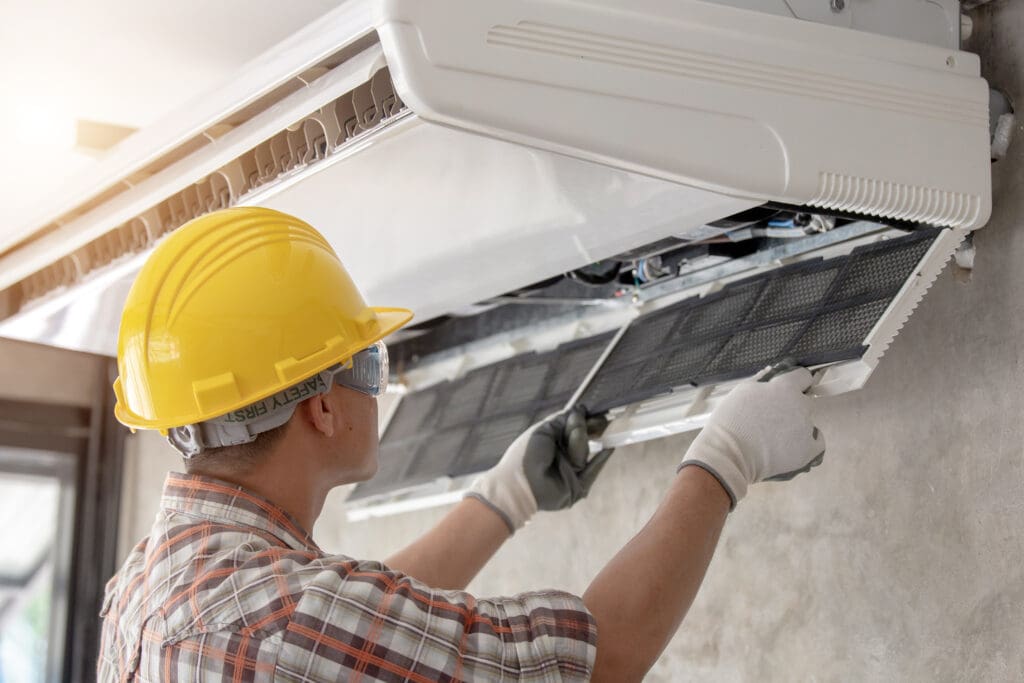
x: 899, y: 559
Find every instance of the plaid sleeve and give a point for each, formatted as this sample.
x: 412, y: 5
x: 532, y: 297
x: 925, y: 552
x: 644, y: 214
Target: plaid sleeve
x: 361, y: 617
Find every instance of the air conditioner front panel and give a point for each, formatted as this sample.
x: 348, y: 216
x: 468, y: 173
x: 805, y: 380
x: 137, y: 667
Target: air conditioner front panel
x: 735, y: 101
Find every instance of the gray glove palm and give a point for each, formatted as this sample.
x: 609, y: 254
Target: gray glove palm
x: 547, y: 468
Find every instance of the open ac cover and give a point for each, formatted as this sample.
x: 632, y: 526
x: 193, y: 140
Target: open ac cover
x: 726, y: 189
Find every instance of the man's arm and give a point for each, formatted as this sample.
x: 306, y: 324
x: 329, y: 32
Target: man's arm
x: 450, y: 555
x: 641, y: 596
x: 762, y: 431
x: 638, y: 599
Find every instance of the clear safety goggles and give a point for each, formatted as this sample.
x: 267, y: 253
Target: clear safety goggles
x: 366, y: 372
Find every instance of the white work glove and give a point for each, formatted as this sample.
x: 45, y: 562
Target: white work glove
x: 762, y: 431
x: 546, y: 468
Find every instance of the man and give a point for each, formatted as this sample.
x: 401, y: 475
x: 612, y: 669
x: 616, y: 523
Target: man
x: 244, y: 340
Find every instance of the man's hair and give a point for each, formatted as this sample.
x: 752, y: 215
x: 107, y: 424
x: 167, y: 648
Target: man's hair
x: 240, y: 459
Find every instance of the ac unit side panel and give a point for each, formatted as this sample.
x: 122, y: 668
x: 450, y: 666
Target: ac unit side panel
x: 730, y: 100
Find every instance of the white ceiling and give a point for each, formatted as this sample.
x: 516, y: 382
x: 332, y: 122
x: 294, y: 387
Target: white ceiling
x: 114, y: 61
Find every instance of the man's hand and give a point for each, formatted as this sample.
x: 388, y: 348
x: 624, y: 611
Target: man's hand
x: 762, y: 431
x: 546, y: 468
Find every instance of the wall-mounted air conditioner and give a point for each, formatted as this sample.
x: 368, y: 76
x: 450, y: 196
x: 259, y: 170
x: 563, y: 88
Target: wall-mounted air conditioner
x: 793, y: 174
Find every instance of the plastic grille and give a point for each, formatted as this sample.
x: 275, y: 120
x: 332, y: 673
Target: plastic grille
x: 612, y: 380
x: 685, y: 362
x: 719, y: 312
x: 656, y: 329
x: 319, y: 135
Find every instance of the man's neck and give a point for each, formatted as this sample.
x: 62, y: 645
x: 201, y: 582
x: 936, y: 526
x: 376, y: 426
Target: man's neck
x: 289, y: 485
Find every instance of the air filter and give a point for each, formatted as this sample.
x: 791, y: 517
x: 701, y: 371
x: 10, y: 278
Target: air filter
x: 813, y: 312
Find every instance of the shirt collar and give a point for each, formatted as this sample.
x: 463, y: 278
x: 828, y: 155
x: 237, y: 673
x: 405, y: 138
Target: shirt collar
x: 228, y: 503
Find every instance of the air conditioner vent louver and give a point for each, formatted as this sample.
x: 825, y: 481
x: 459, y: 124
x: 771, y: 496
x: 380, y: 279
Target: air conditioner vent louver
x: 317, y: 137
x: 813, y: 312
x: 874, y: 197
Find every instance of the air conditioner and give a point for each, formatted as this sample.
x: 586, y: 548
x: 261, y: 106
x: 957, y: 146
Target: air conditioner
x: 727, y: 183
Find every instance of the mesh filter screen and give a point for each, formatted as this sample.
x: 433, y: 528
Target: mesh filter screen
x: 464, y: 401
x: 489, y: 441
x: 813, y: 312
x: 433, y: 456
x: 413, y: 415
x: 844, y: 328
x: 755, y: 348
x: 464, y: 426
x: 518, y: 381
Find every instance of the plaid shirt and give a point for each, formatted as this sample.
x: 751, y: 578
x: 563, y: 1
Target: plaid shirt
x: 229, y: 587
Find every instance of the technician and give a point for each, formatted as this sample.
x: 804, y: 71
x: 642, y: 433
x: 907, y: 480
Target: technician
x: 246, y: 343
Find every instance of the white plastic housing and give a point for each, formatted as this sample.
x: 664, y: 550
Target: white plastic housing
x: 734, y: 101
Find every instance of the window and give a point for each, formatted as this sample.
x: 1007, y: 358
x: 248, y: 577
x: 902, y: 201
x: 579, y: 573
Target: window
x: 60, y: 484
x: 37, y: 495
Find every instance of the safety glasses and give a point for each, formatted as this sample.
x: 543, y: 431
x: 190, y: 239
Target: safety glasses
x: 366, y: 372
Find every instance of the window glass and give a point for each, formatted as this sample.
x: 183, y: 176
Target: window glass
x: 36, y: 499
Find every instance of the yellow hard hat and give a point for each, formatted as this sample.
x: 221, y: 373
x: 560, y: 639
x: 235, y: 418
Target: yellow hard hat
x: 231, y: 308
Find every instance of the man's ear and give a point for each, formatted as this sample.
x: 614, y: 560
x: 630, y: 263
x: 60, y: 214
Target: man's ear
x: 321, y: 413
